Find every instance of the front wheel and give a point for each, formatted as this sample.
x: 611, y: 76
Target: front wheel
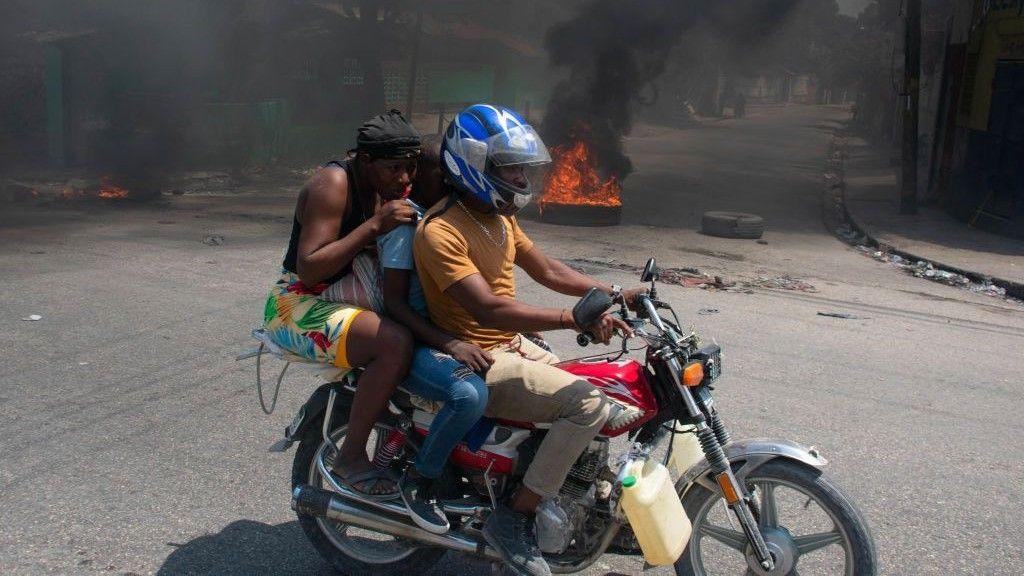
x: 809, y: 523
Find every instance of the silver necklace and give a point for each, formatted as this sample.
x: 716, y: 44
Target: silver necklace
x: 504, y: 233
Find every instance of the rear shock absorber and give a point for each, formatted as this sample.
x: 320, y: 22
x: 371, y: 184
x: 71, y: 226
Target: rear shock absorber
x: 390, y: 448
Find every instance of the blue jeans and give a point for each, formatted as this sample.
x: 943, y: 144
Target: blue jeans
x: 437, y: 376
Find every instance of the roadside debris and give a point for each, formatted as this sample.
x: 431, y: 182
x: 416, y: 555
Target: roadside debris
x: 838, y: 221
x: 928, y: 270
x: 32, y: 318
x: 842, y: 315
x: 707, y: 311
x: 213, y: 240
x: 784, y: 282
x: 694, y: 278
x: 203, y: 183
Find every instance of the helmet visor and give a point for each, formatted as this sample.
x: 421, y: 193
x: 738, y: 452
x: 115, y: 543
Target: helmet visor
x: 517, y: 145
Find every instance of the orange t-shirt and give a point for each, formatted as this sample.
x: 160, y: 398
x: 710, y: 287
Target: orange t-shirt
x: 451, y: 247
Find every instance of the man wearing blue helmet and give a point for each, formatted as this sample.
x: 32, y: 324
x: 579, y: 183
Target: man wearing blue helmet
x: 465, y: 251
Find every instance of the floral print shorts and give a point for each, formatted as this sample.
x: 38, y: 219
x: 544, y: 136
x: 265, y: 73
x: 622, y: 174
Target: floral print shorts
x: 299, y: 321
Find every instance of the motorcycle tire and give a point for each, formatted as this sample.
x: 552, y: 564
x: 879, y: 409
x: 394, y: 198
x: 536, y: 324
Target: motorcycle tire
x: 418, y: 560
x: 864, y: 560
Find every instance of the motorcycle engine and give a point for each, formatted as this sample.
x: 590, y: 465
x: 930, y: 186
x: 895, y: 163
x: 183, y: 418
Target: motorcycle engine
x: 586, y: 469
x: 562, y: 521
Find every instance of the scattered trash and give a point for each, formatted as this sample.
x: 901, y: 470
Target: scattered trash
x: 204, y: 183
x: 213, y: 240
x: 762, y: 241
x: 928, y: 270
x: 841, y: 315
x: 686, y: 277
x: 32, y: 318
x: 707, y: 311
x: 83, y: 363
x: 784, y: 282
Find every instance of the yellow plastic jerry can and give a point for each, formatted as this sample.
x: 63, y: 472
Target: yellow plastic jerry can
x: 655, y: 513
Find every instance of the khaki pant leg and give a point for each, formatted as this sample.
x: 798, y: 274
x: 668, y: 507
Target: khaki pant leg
x: 524, y: 389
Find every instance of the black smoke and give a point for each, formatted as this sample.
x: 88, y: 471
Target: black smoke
x: 615, y: 50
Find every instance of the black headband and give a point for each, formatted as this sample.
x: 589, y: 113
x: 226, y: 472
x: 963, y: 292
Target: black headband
x: 388, y: 136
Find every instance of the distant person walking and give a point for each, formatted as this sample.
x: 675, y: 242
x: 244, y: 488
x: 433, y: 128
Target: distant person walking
x: 739, y: 106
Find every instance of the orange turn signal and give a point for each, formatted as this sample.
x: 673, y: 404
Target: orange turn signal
x: 693, y: 374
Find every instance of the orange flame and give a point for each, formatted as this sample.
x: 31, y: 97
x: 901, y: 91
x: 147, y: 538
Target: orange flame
x: 110, y: 191
x: 70, y: 192
x: 573, y: 179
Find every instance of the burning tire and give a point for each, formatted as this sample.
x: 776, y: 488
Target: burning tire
x: 576, y: 193
x: 581, y: 214
x: 732, y: 225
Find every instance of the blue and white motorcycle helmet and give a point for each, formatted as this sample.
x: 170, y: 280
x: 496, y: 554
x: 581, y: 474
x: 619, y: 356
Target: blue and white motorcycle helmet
x: 483, y: 138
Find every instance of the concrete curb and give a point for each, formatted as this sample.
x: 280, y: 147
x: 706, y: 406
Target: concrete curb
x: 1013, y: 289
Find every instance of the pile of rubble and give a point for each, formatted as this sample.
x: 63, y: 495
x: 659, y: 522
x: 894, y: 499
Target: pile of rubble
x: 693, y: 278
x: 784, y: 282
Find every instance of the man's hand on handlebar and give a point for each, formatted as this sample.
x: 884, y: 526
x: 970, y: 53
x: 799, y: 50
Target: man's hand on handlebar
x: 630, y: 295
x: 604, y: 328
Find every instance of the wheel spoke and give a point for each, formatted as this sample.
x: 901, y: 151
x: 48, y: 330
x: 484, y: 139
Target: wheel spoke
x: 731, y: 538
x: 769, y: 505
x: 811, y: 542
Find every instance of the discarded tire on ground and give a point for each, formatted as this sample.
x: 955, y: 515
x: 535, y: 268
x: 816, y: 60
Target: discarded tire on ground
x: 732, y: 225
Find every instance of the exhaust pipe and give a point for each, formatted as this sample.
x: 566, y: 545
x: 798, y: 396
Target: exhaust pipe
x: 313, y: 501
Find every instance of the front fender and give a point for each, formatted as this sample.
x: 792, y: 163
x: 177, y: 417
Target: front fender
x: 745, y: 456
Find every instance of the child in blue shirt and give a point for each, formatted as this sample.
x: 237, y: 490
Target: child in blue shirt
x: 443, y: 368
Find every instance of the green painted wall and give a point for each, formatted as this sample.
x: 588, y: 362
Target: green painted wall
x: 55, y: 124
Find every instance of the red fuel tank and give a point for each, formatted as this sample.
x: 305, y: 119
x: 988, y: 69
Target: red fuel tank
x: 622, y: 380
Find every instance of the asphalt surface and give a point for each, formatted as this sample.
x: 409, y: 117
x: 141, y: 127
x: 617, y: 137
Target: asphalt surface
x: 132, y: 442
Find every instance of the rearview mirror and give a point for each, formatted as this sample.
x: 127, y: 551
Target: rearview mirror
x: 650, y: 272
x: 593, y: 304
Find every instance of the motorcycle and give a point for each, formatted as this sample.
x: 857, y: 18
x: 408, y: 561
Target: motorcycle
x: 731, y: 491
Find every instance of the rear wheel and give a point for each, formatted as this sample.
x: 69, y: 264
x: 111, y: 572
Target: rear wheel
x: 809, y: 523
x: 349, y: 549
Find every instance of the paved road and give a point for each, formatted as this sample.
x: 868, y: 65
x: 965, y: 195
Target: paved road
x: 132, y: 443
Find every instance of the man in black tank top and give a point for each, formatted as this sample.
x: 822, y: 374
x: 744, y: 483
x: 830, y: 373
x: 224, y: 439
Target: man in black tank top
x: 338, y: 214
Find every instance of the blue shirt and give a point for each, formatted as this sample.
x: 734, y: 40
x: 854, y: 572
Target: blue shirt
x: 395, y: 251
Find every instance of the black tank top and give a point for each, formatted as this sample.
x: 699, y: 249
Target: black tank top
x: 349, y: 223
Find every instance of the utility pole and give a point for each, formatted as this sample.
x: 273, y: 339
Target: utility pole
x: 414, y: 63
x: 911, y: 90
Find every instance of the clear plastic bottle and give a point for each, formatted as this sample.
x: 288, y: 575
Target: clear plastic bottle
x: 655, y: 513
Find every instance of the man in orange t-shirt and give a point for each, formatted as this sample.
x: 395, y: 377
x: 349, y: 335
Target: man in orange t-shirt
x: 465, y: 250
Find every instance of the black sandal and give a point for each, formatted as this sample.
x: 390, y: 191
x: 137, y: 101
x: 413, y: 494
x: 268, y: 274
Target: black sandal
x: 372, y: 476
